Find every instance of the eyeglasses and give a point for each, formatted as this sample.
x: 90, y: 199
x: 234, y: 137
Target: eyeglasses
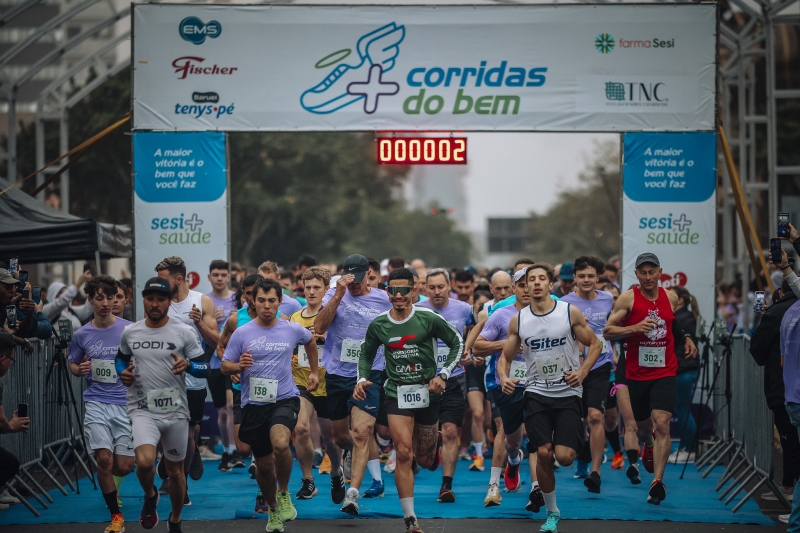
x: 394, y: 291
x: 11, y: 358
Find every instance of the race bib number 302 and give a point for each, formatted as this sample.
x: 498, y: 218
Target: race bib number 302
x: 103, y: 371
x: 413, y: 396
x: 652, y: 357
x: 351, y: 349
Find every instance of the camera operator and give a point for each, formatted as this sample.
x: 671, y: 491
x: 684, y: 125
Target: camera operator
x: 9, y: 464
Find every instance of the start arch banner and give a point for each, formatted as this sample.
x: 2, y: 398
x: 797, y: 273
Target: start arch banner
x: 512, y: 68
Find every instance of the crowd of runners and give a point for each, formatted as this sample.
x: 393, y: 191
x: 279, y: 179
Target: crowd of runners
x: 372, y: 373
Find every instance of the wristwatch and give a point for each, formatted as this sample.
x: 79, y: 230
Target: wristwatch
x: 443, y: 376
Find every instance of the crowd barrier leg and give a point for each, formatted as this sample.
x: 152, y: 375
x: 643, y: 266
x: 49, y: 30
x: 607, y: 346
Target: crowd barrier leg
x: 60, y: 467
x: 38, y: 486
x: 718, y: 458
x: 33, y: 494
x: 50, y: 476
x: 729, y: 472
x: 749, y: 494
x: 739, y: 488
x: 11, y: 490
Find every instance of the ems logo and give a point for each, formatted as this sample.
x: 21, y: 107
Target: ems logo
x: 399, y: 343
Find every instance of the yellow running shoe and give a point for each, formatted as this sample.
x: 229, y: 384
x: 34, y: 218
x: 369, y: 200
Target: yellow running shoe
x: 325, y: 465
x: 477, y: 465
x: 117, y: 524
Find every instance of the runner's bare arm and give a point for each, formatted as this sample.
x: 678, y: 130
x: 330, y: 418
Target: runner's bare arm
x: 327, y: 313
x: 469, y: 345
x: 207, y: 326
x: 225, y: 336
x: 510, y: 350
x: 313, y: 364
x: 613, y: 331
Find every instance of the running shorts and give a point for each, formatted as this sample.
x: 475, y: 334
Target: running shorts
x: 218, y: 385
x: 475, y: 378
x: 647, y: 396
x: 426, y: 416
x: 454, y: 401
x: 553, y: 420
x: 511, y: 408
x: 196, y: 399
x: 595, y: 388
x: 320, y: 403
x: 237, y: 406
x: 340, y: 395
x: 107, y: 427
x: 257, y: 421
x: 172, y: 432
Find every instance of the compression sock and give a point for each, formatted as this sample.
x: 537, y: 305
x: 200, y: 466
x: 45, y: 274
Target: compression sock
x: 633, y: 456
x: 318, y: 451
x: 495, y: 477
x: 374, y: 467
x: 447, y: 481
x: 408, y: 507
x: 118, y: 481
x: 613, y: 439
x: 111, y: 502
x: 478, y: 448
x: 383, y: 443
x: 550, y: 502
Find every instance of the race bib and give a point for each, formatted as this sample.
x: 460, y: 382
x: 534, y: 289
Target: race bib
x: 552, y: 367
x: 350, y: 351
x: 413, y: 396
x: 163, y: 401
x: 263, y: 390
x: 441, y: 356
x: 103, y: 371
x: 302, y: 357
x: 652, y: 357
x: 604, y: 343
x: 519, y: 370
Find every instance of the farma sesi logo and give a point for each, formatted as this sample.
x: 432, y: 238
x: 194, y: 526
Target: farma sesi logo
x: 605, y: 43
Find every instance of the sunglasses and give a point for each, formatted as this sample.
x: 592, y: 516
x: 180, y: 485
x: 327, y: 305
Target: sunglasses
x: 394, y: 291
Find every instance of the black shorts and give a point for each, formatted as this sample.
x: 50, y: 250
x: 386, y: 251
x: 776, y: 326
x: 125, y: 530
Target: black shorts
x: 475, y: 378
x: 493, y: 404
x: 427, y: 416
x: 340, y: 395
x: 611, y: 401
x: 553, y: 420
x: 237, y: 406
x: 511, y: 408
x: 218, y: 384
x: 320, y: 403
x: 383, y: 417
x: 454, y: 401
x: 257, y: 421
x: 651, y: 394
x: 197, y: 404
x: 595, y: 388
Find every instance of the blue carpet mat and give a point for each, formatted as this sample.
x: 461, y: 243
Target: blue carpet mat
x: 225, y: 496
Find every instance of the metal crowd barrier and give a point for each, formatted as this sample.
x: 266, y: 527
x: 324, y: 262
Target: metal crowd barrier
x: 54, y: 436
x: 747, y: 444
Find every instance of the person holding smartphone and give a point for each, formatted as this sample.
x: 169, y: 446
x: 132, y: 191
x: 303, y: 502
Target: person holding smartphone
x: 783, y: 265
x: 9, y: 464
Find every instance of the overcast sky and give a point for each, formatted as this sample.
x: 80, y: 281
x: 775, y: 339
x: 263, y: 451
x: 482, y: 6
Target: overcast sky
x: 512, y: 174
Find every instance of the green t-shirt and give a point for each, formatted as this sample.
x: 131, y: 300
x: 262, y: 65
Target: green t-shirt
x: 409, y: 347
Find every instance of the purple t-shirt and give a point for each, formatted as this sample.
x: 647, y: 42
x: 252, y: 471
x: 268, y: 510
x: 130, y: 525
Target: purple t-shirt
x: 459, y: 315
x: 96, y: 343
x: 349, y: 325
x: 496, y: 329
x: 596, y: 314
x: 227, y: 305
x: 271, y: 349
x: 790, y: 350
x: 289, y: 305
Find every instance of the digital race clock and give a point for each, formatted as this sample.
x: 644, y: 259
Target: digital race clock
x: 422, y: 151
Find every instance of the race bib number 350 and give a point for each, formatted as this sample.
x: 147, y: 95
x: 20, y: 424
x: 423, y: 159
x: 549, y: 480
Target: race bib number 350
x: 652, y: 357
x: 163, y: 401
x: 551, y: 368
x: 413, y: 396
x: 103, y: 371
x: 350, y: 351
x: 263, y: 390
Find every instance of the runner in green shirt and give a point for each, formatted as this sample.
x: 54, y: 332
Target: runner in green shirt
x: 409, y: 334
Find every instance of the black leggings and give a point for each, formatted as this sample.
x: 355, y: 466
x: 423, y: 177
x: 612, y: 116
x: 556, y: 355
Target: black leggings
x: 790, y: 445
x: 9, y: 466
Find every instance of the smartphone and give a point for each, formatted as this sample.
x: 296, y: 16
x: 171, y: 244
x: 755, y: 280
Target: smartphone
x: 37, y: 295
x: 26, y: 294
x: 760, y: 302
x: 11, y: 311
x: 22, y: 410
x: 13, y: 266
x: 783, y: 225
x: 775, y: 247
x: 87, y: 266
x: 23, y: 276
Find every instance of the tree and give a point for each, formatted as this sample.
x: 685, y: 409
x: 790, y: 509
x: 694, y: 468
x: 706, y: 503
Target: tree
x: 585, y: 220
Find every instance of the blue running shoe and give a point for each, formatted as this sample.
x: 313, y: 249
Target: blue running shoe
x: 375, y: 491
x: 551, y: 524
x: 581, y: 470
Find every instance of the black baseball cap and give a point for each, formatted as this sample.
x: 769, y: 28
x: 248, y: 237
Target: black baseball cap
x: 647, y: 258
x: 157, y: 284
x: 357, y: 265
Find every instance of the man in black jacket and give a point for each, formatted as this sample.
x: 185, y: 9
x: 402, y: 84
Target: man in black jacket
x: 765, y: 347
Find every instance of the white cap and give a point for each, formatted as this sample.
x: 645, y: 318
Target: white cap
x: 519, y: 273
x: 334, y: 279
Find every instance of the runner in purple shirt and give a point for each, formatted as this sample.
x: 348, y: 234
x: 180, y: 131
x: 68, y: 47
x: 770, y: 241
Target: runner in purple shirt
x: 790, y: 352
x: 261, y: 351
x: 107, y: 428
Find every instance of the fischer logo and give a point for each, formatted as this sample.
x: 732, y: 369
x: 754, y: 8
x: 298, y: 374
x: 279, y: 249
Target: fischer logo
x: 193, y: 30
x: 190, y: 66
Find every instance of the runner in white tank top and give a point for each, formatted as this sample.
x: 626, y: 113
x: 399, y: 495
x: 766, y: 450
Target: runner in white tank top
x: 550, y: 332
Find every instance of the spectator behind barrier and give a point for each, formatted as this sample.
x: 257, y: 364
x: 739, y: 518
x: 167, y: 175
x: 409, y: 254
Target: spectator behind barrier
x: 765, y: 347
x: 59, y: 298
x: 686, y: 315
x: 29, y: 321
x: 9, y: 464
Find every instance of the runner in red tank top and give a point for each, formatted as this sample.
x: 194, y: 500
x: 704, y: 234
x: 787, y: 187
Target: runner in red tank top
x: 643, y: 317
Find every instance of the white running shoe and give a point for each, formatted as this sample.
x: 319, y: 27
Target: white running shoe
x: 391, y: 462
x: 5, y: 497
x: 350, y: 505
x: 493, y: 496
x: 679, y: 457
x: 783, y: 518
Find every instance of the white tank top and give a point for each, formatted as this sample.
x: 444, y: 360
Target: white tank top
x: 550, y: 348
x: 180, y: 311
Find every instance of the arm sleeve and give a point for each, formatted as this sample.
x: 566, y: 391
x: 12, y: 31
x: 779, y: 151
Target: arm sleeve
x: 52, y: 309
x: 84, y: 312
x: 452, y: 338
x: 369, y: 348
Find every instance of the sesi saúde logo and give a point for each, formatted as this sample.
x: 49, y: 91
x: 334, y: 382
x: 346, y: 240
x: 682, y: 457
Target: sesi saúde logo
x: 193, y: 278
x: 668, y: 281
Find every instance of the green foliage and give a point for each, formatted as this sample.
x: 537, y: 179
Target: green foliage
x: 584, y: 220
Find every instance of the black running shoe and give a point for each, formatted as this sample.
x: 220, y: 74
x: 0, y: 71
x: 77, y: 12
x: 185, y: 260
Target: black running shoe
x: 162, y: 469
x: 261, y: 504
x: 148, y: 518
x: 307, y: 491
x: 633, y: 474
x: 186, y: 501
x: 658, y: 492
x: 236, y: 460
x: 164, y: 488
x: 196, y: 466
x: 535, y: 500
x: 593, y: 483
x: 225, y: 462
x: 251, y: 469
x: 338, y: 488
x: 174, y: 528
x: 446, y: 494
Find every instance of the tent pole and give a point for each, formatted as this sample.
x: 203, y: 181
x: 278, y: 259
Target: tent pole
x: 97, y: 262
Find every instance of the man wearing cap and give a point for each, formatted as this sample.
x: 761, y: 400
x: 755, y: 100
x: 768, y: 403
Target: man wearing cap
x: 162, y: 350
x: 566, y: 277
x: 643, y: 316
x: 346, y: 313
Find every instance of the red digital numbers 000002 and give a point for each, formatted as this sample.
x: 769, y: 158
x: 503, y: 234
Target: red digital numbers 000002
x: 422, y: 151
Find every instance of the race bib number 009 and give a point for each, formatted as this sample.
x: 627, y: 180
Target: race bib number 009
x: 263, y: 390
x: 103, y: 371
x: 652, y: 357
x: 413, y: 396
x: 350, y: 351
x: 163, y: 401
x: 302, y: 357
x: 552, y: 367
x: 519, y: 370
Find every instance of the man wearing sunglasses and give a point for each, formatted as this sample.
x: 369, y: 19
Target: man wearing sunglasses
x: 346, y: 313
x: 408, y: 334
